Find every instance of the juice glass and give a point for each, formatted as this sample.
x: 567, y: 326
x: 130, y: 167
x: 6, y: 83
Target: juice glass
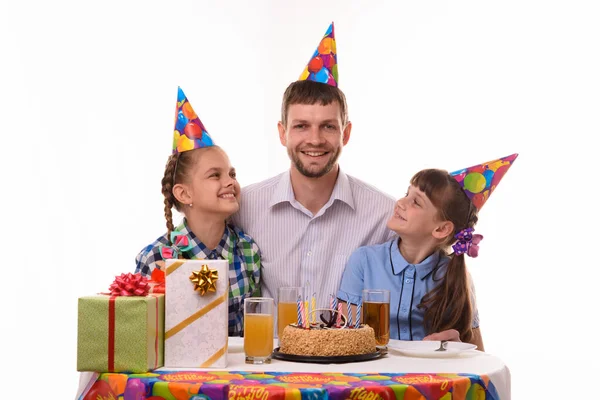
x: 258, y: 329
x: 376, y: 313
x: 287, y: 309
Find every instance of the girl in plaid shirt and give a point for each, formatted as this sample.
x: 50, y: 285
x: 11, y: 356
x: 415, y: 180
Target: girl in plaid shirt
x: 200, y: 182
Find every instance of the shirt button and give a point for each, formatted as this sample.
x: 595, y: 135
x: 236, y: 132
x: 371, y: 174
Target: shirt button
x: 408, y: 281
x: 403, y: 330
x: 411, y: 268
x: 309, y: 253
x: 403, y: 309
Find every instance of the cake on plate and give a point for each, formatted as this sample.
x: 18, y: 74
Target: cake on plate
x: 327, y: 342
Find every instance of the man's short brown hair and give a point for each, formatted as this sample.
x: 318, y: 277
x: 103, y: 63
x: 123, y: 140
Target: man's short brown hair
x: 310, y: 92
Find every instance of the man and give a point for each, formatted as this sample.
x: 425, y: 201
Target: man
x: 308, y: 220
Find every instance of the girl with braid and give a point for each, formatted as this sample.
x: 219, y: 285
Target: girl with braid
x: 200, y: 183
x: 431, y: 293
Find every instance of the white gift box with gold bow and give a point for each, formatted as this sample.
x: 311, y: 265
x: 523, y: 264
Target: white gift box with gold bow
x: 196, y: 314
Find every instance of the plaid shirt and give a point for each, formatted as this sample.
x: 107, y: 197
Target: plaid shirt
x: 235, y: 246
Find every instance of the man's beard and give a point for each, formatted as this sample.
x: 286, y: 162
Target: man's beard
x: 314, y: 174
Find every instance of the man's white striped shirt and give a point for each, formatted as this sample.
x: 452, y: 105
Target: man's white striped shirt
x: 298, y: 247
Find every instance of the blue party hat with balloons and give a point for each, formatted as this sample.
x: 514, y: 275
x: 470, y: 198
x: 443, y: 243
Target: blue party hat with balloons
x: 479, y: 181
x: 189, y: 133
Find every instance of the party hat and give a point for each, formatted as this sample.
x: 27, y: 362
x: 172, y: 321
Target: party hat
x: 479, y: 181
x: 322, y: 66
x: 189, y: 133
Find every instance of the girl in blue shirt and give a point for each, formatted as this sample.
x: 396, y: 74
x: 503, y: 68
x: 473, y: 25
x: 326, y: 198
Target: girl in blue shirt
x: 431, y: 293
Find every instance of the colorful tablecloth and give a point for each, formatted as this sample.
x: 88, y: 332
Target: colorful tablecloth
x: 238, y: 385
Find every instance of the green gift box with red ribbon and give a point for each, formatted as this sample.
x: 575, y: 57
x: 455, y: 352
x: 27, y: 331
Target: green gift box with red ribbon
x: 122, y: 331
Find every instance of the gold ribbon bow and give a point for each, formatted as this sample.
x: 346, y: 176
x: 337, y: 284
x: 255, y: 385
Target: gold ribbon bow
x: 205, y: 280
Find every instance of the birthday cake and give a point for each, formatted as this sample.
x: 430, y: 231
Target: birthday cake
x: 327, y: 342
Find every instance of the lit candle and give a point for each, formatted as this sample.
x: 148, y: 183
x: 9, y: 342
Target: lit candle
x: 306, y: 313
x: 313, y: 306
x: 358, y: 307
x: 299, y: 304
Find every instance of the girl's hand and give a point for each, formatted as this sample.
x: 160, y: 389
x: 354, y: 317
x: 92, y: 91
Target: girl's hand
x: 450, y: 334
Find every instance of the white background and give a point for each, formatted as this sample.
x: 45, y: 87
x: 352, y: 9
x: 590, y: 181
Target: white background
x: 87, y: 94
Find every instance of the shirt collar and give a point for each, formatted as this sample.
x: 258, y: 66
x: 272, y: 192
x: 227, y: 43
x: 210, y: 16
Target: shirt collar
x: 199, y: 249
x: 342, y: 190
x: 423, y: 269
x: 226, y: 245
x: 285, y: 193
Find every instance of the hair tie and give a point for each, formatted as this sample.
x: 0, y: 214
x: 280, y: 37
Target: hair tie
x: 467, y: 242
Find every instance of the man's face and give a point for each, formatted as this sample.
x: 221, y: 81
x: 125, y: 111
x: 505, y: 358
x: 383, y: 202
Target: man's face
x: 314, y: 137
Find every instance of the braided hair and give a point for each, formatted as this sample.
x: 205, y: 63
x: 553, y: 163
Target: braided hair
x: 177, y: 170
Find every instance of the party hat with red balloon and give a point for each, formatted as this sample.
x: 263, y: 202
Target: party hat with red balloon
x: 189, y: 133
x: 322, y: 66
x: 479, y: 181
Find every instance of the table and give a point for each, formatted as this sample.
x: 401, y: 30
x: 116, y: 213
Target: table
x: 471, y: 375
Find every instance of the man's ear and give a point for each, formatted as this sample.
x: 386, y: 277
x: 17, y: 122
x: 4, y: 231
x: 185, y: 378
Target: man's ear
x: 346, y: 133
x: 443, y: 230
x: 182, y: 193
x: 282, y: 136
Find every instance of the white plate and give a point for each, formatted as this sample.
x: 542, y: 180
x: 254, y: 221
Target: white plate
x: 427, y: 348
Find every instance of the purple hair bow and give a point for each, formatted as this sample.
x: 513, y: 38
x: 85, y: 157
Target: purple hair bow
x: 467, y: 242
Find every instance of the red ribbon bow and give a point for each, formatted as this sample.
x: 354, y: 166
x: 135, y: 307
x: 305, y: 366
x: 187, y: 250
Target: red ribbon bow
x: 157, y: 281
x: 129, y: 285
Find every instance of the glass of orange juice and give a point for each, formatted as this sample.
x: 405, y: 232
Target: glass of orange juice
x: 287, y: 309
x: 258, y: 329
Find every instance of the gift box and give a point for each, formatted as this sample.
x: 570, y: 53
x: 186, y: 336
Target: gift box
x: 196, y: 313
x: 120, y: 333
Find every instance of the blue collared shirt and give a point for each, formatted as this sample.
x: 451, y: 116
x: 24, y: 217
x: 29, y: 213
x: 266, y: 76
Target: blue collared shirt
x: 383, y: 267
